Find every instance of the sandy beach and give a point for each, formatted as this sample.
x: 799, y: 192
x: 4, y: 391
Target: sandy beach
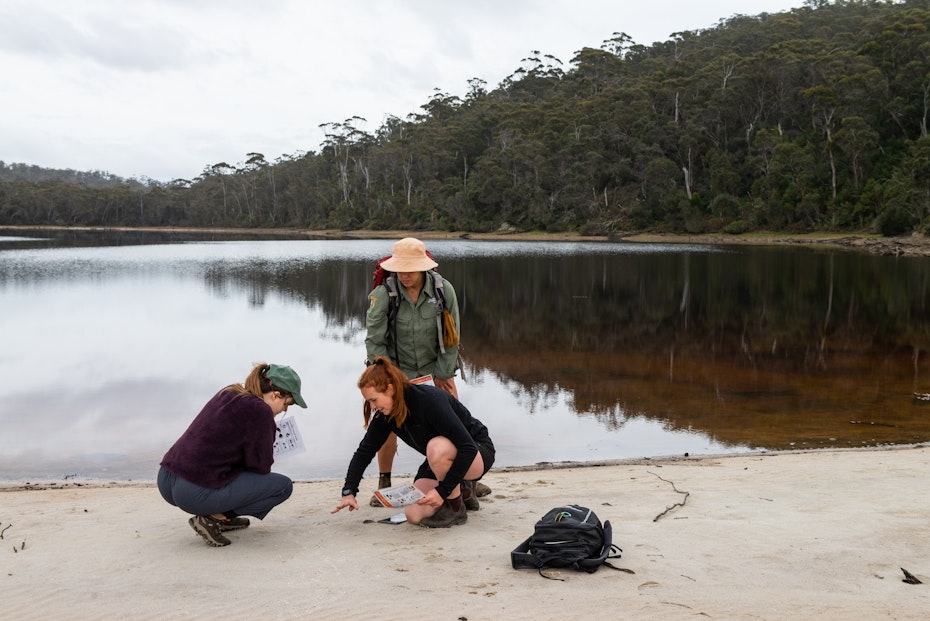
x: 811, y: 535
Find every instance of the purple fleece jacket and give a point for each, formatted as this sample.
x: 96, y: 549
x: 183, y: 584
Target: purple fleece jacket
x: 233, y: 433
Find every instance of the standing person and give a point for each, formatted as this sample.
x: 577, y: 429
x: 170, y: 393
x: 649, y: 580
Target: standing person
x: 432, y: 422
x: 404, y: 322
x: 220, y: 468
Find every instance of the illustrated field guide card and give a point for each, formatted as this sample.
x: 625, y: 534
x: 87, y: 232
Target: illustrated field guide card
x: 287, y: 440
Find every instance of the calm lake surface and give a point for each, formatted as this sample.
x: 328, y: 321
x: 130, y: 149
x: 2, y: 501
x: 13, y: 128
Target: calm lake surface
x: 111, y: 344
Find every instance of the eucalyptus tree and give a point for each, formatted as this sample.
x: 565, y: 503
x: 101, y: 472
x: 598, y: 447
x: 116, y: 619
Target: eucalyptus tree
x: 219, y: 173
x: 899, y: 48
x: 594, y: 70
x: 344, y: 143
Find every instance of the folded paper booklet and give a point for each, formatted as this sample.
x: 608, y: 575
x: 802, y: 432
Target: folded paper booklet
x: 399, y: 495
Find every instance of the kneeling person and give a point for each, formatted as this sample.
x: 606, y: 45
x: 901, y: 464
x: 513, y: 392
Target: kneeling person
x: 457, y: 446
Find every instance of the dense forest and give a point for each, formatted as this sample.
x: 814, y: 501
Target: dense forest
x: 807, y: 120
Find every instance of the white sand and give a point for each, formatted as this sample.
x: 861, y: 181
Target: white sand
x: 815, y: 535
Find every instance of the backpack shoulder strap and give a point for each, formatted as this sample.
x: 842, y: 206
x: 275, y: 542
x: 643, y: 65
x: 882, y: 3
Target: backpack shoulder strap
x: 522, y: 558
x: 390, y: 285
x: 440, y: 304
x: 437, y: 286
x: 611, y: 550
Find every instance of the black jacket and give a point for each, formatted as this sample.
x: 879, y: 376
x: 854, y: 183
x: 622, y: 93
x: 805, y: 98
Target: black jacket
x: 431, y: 412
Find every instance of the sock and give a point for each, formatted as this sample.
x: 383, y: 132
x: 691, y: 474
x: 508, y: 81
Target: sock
x: 384, y: 480
x: 455, y: 503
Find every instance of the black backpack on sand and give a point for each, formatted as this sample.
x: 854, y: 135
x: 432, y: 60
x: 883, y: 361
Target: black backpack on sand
x: 568, y: 536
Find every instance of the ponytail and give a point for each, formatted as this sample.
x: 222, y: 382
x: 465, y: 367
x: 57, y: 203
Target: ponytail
x: 257, y: 383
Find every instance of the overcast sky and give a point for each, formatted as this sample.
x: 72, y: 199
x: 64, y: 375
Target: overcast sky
x: 164, y: 88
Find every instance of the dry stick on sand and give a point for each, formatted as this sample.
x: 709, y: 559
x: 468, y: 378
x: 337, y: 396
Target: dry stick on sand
x: 677, y: 504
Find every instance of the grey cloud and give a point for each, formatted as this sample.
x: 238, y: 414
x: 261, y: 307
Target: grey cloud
x: 122, y: 42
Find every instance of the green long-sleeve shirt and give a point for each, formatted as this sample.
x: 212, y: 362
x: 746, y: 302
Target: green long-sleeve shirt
x: 418, y: 350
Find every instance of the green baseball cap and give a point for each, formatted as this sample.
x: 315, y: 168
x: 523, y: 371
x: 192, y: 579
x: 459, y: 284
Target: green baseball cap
x: 287, y: 379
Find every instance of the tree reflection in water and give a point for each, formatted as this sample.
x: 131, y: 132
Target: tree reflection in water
x: 770, y: 348
x: 766, y: 347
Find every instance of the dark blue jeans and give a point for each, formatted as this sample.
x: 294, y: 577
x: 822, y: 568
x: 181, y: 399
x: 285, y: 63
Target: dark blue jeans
x: 248, y: 494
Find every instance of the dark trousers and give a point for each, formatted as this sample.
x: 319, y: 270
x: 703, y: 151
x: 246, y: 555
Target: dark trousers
x: 248, y: 494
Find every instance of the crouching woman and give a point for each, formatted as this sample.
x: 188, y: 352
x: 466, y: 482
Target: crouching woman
x: 457, y: 446
x: 220, y: 468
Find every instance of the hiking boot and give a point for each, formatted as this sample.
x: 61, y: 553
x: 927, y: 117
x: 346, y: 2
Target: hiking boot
x: 209, y: 529
x: 470, y: 496
x: 236, y: 523
x: 384, y: 480
x: 445, y: 517
x: 481, y: 489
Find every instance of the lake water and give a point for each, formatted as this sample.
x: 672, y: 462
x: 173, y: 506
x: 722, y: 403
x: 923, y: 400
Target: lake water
x: 111, y: 343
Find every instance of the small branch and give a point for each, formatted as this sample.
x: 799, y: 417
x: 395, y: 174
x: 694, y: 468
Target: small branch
x: 4, y: 530
x: 910, y: 578
x: 677, y: 504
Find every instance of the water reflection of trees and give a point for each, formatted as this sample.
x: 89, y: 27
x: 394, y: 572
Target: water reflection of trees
x: 773, y: 341
x: 764, y: 347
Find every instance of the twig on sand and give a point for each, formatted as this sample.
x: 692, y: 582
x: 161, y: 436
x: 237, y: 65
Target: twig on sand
x: 4, y: 530
x: 910, y: 578
x: 677, y: 504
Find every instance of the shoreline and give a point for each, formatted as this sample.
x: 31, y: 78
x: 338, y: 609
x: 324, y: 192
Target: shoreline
x: 911, y: 245
x: 819, y: 534
x: 661, y: 460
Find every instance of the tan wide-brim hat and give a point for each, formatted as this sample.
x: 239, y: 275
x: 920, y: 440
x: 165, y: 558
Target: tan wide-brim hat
x: 409, y: 255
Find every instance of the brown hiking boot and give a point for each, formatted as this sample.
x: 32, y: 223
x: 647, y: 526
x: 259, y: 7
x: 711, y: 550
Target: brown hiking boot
x: 481, y: 490
x: 445, y: 517
x: 236, y: 523
x: 209, y: 529
x: 469, y: 496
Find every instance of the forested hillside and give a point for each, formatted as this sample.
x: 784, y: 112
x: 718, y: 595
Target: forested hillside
x: 813, y: 119
x: 35, y: 174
